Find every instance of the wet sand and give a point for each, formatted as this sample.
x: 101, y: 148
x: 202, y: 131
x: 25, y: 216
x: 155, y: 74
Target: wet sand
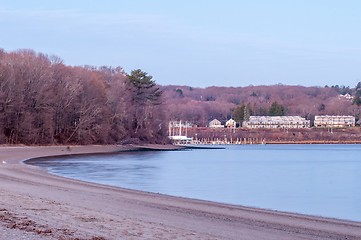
x: 37, y: 205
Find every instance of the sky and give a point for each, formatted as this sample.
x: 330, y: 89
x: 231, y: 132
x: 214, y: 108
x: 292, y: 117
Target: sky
x: 199, y: 43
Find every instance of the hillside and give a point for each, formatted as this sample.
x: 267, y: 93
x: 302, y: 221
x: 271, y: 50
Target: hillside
x: 199, y: 105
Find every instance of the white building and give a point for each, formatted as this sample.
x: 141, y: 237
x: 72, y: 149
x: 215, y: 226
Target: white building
x: 347, y: 96
x: 215, y: 124
x: 276, y: 122
x: 231, y: 123
x: 334, y: 121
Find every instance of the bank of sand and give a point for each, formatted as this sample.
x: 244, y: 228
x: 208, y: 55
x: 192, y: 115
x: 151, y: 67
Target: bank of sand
x: 37, y: 205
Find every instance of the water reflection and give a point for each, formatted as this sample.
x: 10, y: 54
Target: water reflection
x: 312, y: 179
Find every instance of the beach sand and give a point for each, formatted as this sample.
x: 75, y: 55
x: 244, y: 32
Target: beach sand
x: 37, y: 205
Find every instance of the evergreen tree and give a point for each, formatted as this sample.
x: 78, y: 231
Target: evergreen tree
x: 242, y: 113
x: 144, y: 89
x: 238, y: 113
x: 147, y: 118
x: 357, y: 96
x: 277, y: 109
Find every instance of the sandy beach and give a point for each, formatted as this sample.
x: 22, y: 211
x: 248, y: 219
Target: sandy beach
x: 37, y: 205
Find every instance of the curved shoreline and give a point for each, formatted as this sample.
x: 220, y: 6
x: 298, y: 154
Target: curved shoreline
x: 58, y: 207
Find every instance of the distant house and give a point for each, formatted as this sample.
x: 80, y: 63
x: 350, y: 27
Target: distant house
x: 215, y: 124
x: 276, y: 122
x: 347, y: 96
x: 334, y: 121
x: 231, y: 123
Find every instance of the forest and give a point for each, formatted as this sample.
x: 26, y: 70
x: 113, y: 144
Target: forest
x: 200, y: 105
x: 44, y: 101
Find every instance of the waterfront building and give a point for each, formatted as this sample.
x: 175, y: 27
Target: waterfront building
x: 180, y: 124
x: 327, y: 121
x: 178, y: 132
x: 215, y: 124
x: 276, y: 122
x: 231, y: 123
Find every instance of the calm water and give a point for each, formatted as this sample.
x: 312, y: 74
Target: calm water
x: 319, y: 180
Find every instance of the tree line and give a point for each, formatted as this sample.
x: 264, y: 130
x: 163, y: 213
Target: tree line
x: 243, y: 111
x: 44, y: 101
x: 200, y: 105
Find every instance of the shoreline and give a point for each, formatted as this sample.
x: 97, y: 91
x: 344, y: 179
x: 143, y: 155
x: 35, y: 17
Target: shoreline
x: 274, y: 142
x: 55, y: 207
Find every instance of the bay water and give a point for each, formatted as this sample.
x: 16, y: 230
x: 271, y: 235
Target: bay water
x: 322, y: 180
